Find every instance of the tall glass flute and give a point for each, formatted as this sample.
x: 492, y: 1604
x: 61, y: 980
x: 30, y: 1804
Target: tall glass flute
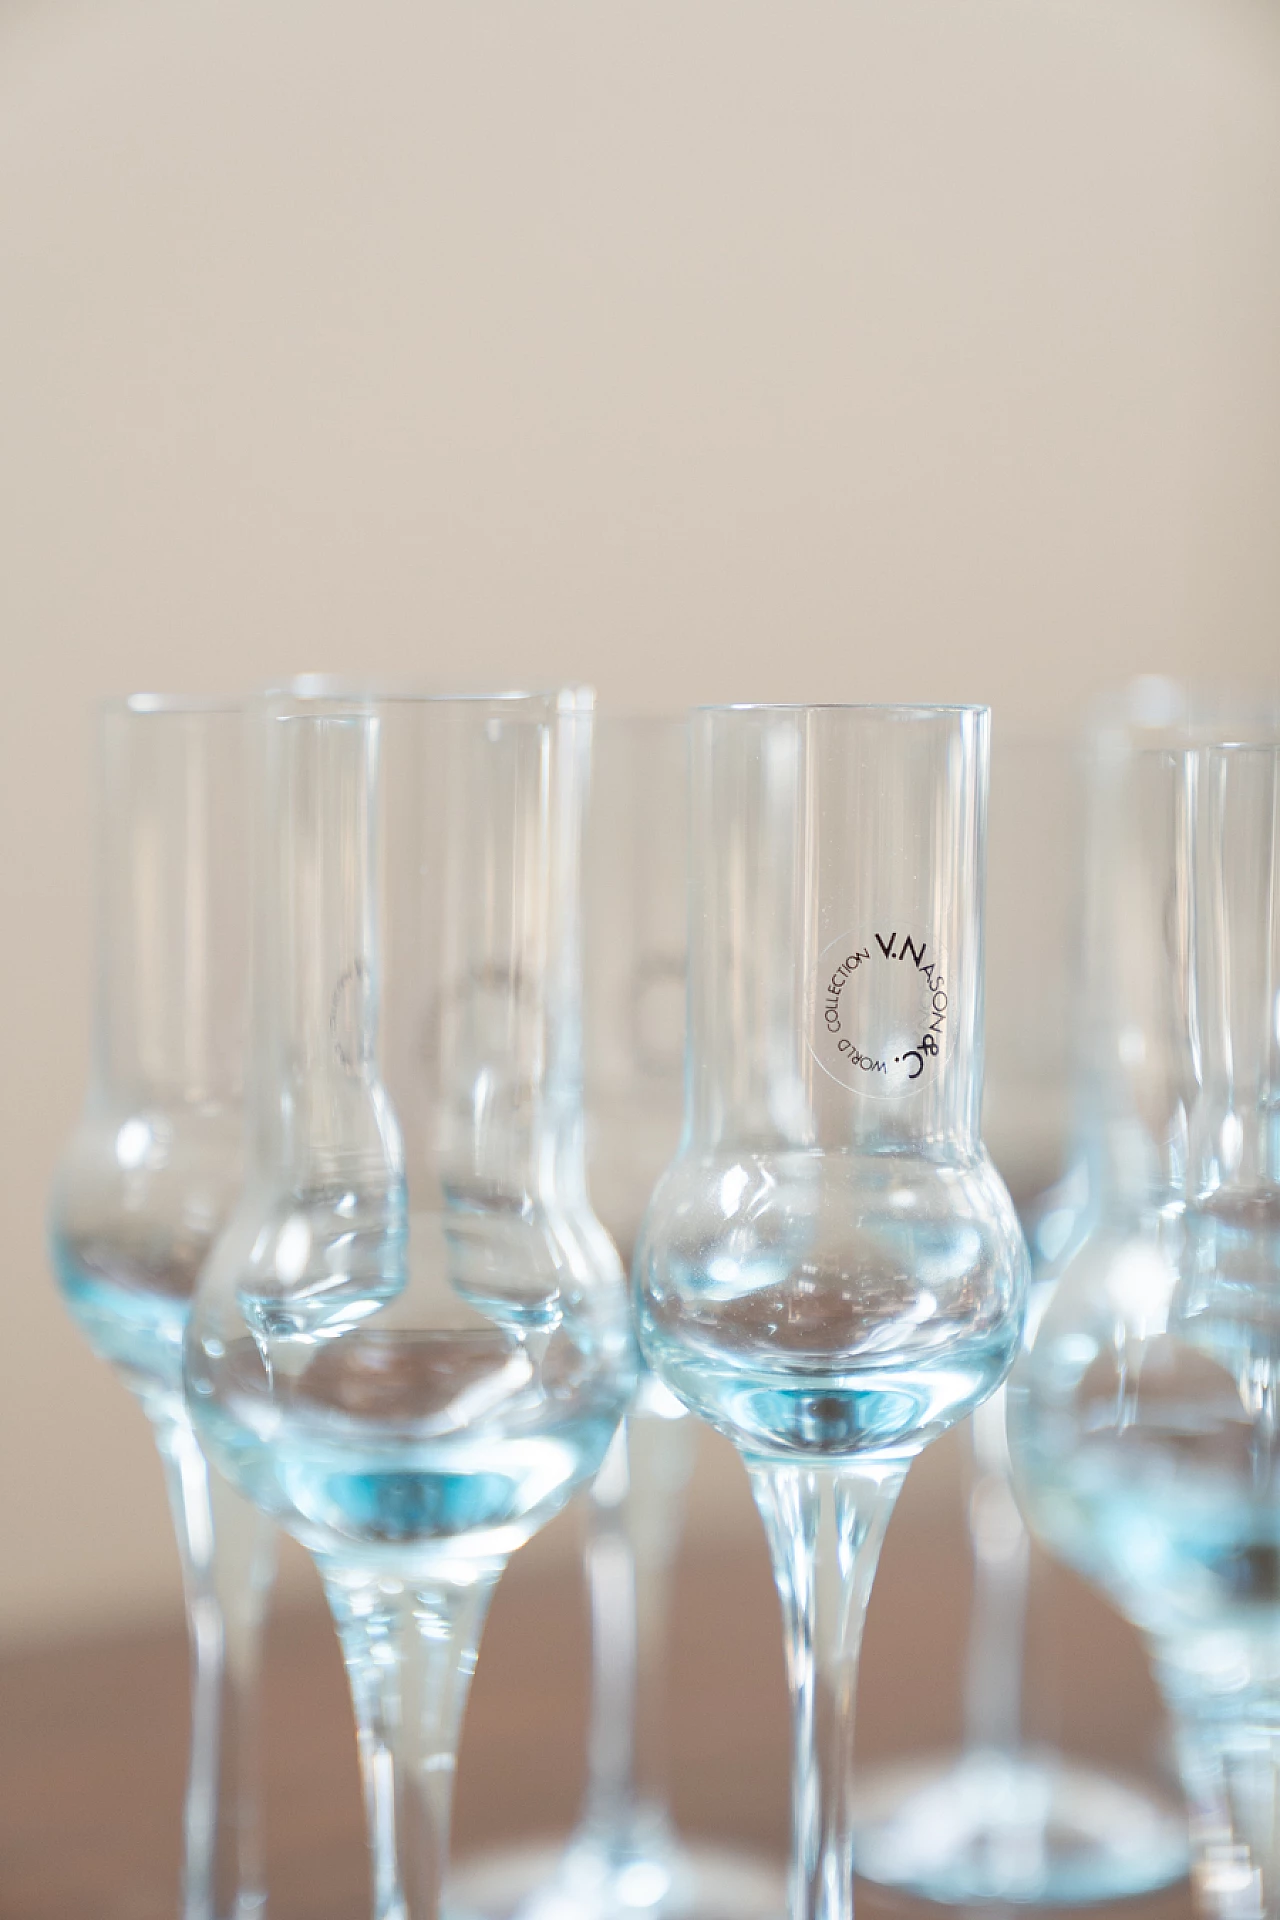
x: 625, y: 1857
x: 411, y: 1344
x: 1143, y: 1417
x: 147, y: 1180
x: 831, y: 1271
x: 1003, y: 1819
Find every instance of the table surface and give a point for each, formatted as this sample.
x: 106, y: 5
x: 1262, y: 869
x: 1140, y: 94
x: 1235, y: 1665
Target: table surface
x: 92, y: 1737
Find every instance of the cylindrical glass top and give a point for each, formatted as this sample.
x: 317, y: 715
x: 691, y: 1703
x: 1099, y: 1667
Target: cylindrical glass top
x: 836, y: 940
x: 417, y: 1047
x: 1235, y: 1140
x: 319, y: 1103
x: 635, y: 946
x: 171, y: 923
x: 1138, y: 1079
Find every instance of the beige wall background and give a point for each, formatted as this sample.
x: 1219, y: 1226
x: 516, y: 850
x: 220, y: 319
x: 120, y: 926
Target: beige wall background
x: 841, y: 349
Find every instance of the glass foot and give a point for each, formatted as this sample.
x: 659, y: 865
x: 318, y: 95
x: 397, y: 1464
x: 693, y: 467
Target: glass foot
x: 587, y: 1880
x: 1029, y: 1827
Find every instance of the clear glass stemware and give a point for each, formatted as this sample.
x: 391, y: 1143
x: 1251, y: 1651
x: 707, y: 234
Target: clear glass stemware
x: 831, y: 1271
x: 1006, y: 1818
x: 1142, y: 1418
x: 412, y: 1344
x: 635, y: 1000
x: 144, y: 1185
x: 625, y: 1858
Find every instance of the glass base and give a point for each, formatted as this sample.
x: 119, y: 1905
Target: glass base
x: 587, y: 1880
x: 1030, y: 1828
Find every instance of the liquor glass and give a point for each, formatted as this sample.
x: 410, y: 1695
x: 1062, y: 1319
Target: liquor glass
x: 1142, y: 1417
x: 411, y: 1344
x: 625, y: 1857
x: 1003, y: 1818
x: 146, y: 1181
x: 831, y: 1271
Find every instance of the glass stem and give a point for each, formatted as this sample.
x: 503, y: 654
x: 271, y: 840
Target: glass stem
x: 410, y: 1651
x: 228, y: 1564
x: 1231, y: 1774
x: 633, y: 1527
x: 825, y: 1526
x: 1001, y: 1578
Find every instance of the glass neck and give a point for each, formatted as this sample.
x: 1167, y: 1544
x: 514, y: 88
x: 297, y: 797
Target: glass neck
x: 171, y: 909
x: 1235, y: 1124
x: 1139, y: 1079
x: 1183, y: 938
x: 418, y: 947
x: 836, y: 930
x: 319, y: 1112
x: 499, y: 1114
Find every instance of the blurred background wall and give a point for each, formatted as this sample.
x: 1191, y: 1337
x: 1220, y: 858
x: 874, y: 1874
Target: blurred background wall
x: 849, y: 349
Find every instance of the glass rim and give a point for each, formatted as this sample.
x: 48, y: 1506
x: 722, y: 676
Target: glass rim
x: 643, y: 722
x: 325, y: 693
x: 153, y: 706
x: 888, y: 709
x: 1121, y: 745
x: 1162, y: 712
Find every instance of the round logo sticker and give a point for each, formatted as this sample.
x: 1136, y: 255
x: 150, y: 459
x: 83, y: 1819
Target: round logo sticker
x: 880, y: 1009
